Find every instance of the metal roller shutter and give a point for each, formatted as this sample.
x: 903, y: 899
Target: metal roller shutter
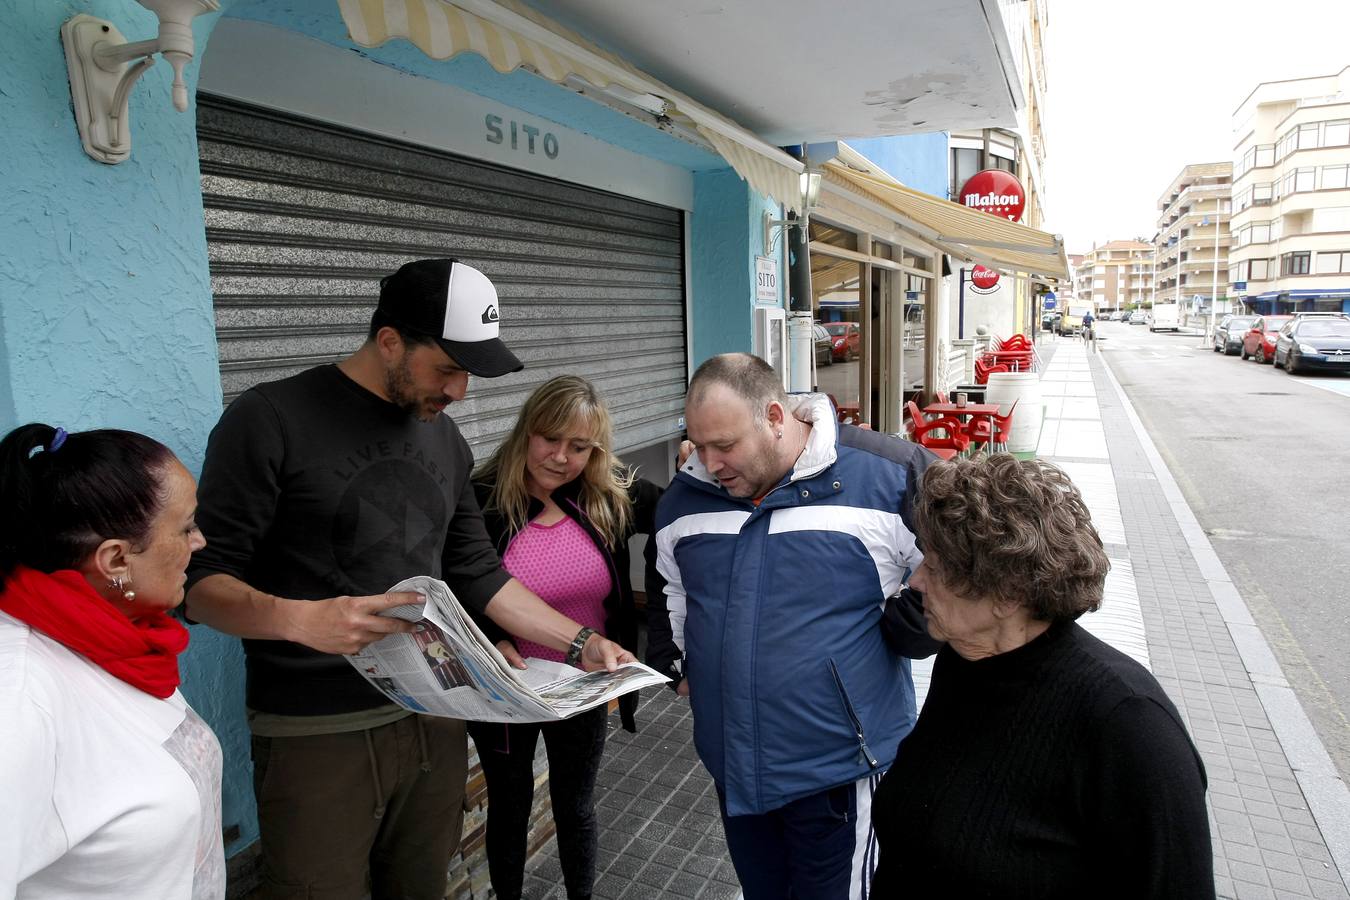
x: 304, y: 218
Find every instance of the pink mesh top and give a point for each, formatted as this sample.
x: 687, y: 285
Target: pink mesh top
x: 561, y: 564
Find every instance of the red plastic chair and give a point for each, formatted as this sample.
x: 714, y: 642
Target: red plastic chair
x: 952, y: 440
x: 993, y: 435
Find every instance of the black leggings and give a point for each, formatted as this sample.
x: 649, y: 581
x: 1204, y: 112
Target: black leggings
x: 574, y: 748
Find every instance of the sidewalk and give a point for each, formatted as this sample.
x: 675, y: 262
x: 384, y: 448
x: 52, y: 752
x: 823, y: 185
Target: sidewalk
x: 1280, y: 818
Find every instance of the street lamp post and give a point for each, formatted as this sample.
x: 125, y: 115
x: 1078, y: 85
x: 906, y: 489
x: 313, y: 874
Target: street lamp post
x: 1214, y: 287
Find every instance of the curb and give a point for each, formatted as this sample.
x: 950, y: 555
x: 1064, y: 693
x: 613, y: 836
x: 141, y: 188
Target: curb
x: 1327, y: 795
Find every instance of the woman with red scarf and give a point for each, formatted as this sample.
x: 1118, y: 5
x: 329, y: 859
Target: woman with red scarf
x: 111, y: 781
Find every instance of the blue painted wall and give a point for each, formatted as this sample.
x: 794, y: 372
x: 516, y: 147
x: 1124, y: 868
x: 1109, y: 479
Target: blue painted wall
x: 726, y: 235
x: 917, y: 160
x: 105, y: 303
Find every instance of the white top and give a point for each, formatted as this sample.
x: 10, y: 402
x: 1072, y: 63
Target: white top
x: 108, y: 791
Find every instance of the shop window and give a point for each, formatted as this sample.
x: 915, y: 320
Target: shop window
x: 836, y: 291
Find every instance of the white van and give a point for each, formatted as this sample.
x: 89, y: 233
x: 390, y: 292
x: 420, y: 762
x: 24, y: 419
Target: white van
x: 1164, y: 316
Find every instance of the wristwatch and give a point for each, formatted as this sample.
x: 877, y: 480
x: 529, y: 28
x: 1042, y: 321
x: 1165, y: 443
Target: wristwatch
x: 578, y: 644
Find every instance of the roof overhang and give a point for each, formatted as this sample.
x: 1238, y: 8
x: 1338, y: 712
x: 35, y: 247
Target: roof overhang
x: 796, y: 71
x: 738, y: 78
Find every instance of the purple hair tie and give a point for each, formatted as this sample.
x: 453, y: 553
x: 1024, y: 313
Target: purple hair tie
x: 53, y: 445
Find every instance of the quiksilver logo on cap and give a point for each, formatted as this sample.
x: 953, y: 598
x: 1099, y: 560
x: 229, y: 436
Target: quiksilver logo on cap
x: 489, y: 314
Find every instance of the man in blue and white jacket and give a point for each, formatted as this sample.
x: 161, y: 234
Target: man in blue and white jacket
x: 781, y: 541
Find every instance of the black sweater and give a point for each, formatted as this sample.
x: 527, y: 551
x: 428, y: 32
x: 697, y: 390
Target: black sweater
x: 1056, y: 770
x: 621, y: 624
x: 314, y: 487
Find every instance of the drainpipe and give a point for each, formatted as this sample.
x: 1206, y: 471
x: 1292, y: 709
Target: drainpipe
x: 800, y: 337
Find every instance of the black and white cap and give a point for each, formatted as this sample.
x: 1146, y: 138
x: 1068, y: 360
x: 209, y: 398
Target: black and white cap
x: 453, y: 303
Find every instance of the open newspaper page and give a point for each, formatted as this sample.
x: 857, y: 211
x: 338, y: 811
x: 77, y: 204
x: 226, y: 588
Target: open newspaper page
x: 448, y: 667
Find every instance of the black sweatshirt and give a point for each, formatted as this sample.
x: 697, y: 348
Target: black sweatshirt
x: 314, y: 487
x: 1056, y: 770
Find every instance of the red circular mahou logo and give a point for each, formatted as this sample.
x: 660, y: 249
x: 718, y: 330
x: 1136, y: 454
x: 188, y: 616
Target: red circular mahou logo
x: 996, y: 192
x: 983, y: 278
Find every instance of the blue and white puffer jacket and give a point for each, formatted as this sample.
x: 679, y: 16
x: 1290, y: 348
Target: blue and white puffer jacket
x: 773, y: 614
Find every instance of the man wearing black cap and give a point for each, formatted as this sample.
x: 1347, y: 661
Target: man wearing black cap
x: 318, y: 492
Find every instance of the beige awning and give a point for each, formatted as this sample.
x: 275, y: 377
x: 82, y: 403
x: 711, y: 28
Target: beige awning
x: 510, y: 35
x: 968, y: 234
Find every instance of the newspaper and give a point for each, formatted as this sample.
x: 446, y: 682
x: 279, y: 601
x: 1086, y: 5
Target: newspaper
x: 448, y: 667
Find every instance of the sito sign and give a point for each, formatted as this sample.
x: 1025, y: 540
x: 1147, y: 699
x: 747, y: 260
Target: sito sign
x: 996, y: 192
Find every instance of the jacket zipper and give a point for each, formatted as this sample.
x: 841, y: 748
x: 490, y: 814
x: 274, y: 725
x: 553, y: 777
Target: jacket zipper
x: 865, y: 753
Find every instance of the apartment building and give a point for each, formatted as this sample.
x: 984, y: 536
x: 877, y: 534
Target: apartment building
x: 1193, y: 239
x: 1291, y: 196
x: 1116, y: 275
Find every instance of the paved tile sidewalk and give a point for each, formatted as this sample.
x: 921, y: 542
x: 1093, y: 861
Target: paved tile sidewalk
x: 661, y: 835
x: 1266, y: 841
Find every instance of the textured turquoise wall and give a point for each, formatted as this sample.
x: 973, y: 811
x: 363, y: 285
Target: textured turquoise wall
x: 105, y: 301
x: 726, y: 236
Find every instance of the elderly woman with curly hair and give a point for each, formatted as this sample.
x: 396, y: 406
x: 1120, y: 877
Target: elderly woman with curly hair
x: 1045, y: 764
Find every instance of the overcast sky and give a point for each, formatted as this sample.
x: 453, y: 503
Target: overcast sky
x: 1137, y: 90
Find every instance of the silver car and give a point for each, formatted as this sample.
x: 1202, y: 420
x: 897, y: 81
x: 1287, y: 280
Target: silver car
x: 1228, y: 334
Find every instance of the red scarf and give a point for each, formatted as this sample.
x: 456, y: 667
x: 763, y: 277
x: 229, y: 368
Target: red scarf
x: 66, y: 608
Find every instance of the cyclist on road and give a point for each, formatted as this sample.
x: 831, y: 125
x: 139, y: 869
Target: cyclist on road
x: 1089, y: 332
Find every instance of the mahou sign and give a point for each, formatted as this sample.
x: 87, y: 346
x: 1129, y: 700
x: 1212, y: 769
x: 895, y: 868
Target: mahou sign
x: 996, y: 192
x: 983, y: 278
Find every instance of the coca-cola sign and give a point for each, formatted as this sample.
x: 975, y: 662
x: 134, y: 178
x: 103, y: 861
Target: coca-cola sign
x: 996, y: 192
x: 983, y: 278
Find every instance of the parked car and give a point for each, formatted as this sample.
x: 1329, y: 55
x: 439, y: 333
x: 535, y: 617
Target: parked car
x: 1314, y: 342
x: 824, y: 345
x: 1228, y: 334
x: 1120, y: 315
x: 1138, y: 317
x: 1259, y: 340
x: 845, y: 338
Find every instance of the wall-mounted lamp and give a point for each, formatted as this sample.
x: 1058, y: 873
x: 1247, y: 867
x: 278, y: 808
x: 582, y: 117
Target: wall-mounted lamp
x: 104, y: 66
x: 810, y: 193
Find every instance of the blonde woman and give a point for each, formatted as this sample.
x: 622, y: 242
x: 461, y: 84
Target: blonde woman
x: 561, y: 508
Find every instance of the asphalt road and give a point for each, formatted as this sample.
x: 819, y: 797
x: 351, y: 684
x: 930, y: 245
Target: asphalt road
x: 1264, y: 461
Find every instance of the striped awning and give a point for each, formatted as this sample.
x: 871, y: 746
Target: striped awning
x: 510, y: 35
x: 967, y: 234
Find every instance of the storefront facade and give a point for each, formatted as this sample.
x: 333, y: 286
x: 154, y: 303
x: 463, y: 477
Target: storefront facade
x: 243, y: 240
